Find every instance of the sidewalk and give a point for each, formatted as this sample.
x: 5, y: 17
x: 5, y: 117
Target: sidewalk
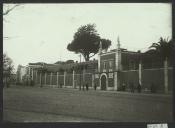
x: 114, y: 92
x: 102, y: 92
x: 25, y: 116
x: 103, y: 105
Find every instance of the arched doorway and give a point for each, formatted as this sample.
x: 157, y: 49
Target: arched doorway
x: 103, y: 82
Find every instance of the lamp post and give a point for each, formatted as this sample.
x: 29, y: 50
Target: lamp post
x: 140, y: 67
x: 80, y: 68
x: 42, y: 70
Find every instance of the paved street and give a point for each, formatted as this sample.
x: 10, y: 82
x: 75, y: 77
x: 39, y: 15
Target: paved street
x: 34, y: 104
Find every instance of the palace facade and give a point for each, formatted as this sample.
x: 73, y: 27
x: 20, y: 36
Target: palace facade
x: 112, y: 70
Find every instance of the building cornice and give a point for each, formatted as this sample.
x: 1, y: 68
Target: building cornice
x: 107, y: 53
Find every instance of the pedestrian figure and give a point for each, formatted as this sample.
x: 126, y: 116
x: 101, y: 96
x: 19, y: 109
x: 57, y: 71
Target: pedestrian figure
x: 95, y: 86
x: 139, y: 88
x: 61, y: 85
x: 83, y: 86
x: 80, y: 87
x: 87, y: 87
x: 153, y: 88
x: 132, y: 87
x: 123, y: 86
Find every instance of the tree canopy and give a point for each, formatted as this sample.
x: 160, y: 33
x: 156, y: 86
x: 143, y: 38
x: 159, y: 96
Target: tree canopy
x: 8, y: 66
x: 86, y: 41
x: 7, y: 9
x: 164, y: 47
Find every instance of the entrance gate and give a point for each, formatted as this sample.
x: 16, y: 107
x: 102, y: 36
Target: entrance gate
x: 103, y: 82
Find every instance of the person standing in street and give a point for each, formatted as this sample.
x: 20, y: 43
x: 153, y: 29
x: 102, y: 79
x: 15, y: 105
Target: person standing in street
x: 83, y: 86
x: 139, y: 88
x: 87, y: 87
x: 131, y: 87
x: 95, y: 86
x: 123, y: 86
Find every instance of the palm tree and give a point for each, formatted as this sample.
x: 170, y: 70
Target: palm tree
x: 164, y: 47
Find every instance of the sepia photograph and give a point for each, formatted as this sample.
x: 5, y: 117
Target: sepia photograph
x: 87, y: 62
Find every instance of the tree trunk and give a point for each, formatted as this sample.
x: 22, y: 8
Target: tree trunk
x: 166, y: 75
x: 86, y: 57
x: 6, y: 81
x: 40, y: 80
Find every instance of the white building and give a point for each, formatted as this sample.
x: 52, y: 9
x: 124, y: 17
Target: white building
x: 21, y: 72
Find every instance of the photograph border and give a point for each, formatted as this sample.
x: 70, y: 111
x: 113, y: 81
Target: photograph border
x: 82, y: 124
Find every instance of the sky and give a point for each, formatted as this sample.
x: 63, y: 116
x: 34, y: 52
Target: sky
x: 41, y: 32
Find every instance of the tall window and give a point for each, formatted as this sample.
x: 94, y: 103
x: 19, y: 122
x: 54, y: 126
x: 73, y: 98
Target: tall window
x: 104, y: 65
x: 132, y: 65
x: 110, y: 64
